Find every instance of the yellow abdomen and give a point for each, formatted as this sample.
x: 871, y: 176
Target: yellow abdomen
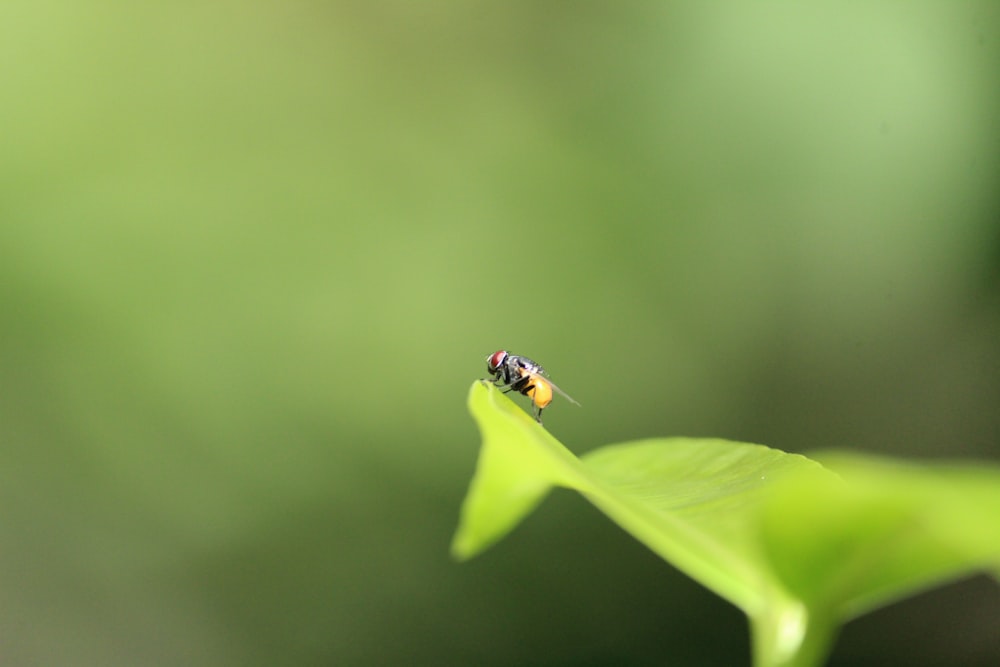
x: 540, y: 392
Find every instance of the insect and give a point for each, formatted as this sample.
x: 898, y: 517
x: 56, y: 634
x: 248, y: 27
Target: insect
x: 525, y: 376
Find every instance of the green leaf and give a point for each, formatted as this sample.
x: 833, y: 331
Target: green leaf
x: 518, y: 463
x: 798, y: 547
x: 891, y: 530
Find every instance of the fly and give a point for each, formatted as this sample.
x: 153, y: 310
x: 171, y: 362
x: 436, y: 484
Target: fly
x: 511, y: 372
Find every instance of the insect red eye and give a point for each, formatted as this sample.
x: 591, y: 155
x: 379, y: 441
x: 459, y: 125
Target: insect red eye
x: 494, y: 360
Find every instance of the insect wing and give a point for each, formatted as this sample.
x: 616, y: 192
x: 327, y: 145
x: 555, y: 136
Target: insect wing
x: 561, y: 392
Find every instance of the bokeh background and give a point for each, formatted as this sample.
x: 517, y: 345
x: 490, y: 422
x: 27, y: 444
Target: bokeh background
x: 253, y: 254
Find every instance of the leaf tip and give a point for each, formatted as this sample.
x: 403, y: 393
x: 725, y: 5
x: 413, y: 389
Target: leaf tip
x: 462, y: 548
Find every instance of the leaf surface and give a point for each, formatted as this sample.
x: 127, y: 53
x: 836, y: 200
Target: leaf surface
x: 800, y: 547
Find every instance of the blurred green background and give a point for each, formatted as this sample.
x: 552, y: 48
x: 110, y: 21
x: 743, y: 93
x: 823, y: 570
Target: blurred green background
x: 252, y: 255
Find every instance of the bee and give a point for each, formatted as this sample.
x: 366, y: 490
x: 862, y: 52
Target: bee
x: 511, y: 372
